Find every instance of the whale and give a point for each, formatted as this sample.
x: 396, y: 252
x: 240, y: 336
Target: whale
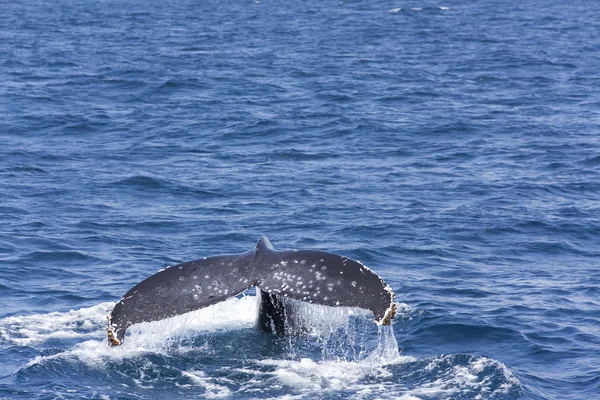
x: 280, y: 277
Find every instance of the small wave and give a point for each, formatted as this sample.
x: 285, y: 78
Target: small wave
x: 28, y: 169
x: 298, y: 155
x: 62, y: 256
x: 141, y: 182
x: 172, y: 85
x: 592, y: 161
x: 465, y: 332
x: 149, y: 184
x: 13, y: 210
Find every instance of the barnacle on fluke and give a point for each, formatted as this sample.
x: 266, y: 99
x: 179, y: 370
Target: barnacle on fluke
x: 310, y: 276
x: 390, y: 314
x: 112, y: 337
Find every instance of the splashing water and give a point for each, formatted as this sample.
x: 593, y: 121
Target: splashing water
x: 387, y: 351
x: 216, y: 352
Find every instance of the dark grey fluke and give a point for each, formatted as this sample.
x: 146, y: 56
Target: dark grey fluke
x: 311, y: 276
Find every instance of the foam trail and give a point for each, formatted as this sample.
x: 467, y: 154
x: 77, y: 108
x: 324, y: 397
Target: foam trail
x: 456, y: 378
x: 213, y: 390
x: 450, y: 376
x: 156, y: 337
x: 34, y: 329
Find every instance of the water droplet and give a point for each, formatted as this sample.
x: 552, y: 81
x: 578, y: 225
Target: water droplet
x: 181, y: 278
x: 206, y: 276
x: 354, y: 283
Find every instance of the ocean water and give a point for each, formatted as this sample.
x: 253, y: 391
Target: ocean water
x: 453, y: 147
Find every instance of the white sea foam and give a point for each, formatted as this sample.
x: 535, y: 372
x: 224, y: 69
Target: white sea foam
x: 366, y: 379
x: 395, y: 10
x: 459, y: 380
x: 29, y: 330
x: 156, y: 337
x: 313, y: 378
x: 212, y: 389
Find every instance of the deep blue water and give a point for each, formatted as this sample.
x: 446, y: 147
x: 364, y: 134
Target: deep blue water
x: 453, y: 147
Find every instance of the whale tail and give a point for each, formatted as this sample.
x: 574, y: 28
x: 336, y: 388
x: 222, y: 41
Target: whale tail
x: 311, y: 276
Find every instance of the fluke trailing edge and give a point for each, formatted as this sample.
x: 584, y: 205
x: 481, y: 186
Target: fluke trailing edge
x: 311, y: 276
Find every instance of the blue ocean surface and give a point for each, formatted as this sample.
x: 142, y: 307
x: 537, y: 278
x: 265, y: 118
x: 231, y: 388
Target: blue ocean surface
x: 451, y: 146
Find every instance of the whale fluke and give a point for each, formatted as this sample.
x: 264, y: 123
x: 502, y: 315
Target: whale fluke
x: 311, y: 276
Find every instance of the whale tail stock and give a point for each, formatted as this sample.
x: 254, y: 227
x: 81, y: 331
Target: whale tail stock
x: 311, y: 276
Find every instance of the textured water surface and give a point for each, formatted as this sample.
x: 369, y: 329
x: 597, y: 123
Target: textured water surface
x: 451, y: 147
